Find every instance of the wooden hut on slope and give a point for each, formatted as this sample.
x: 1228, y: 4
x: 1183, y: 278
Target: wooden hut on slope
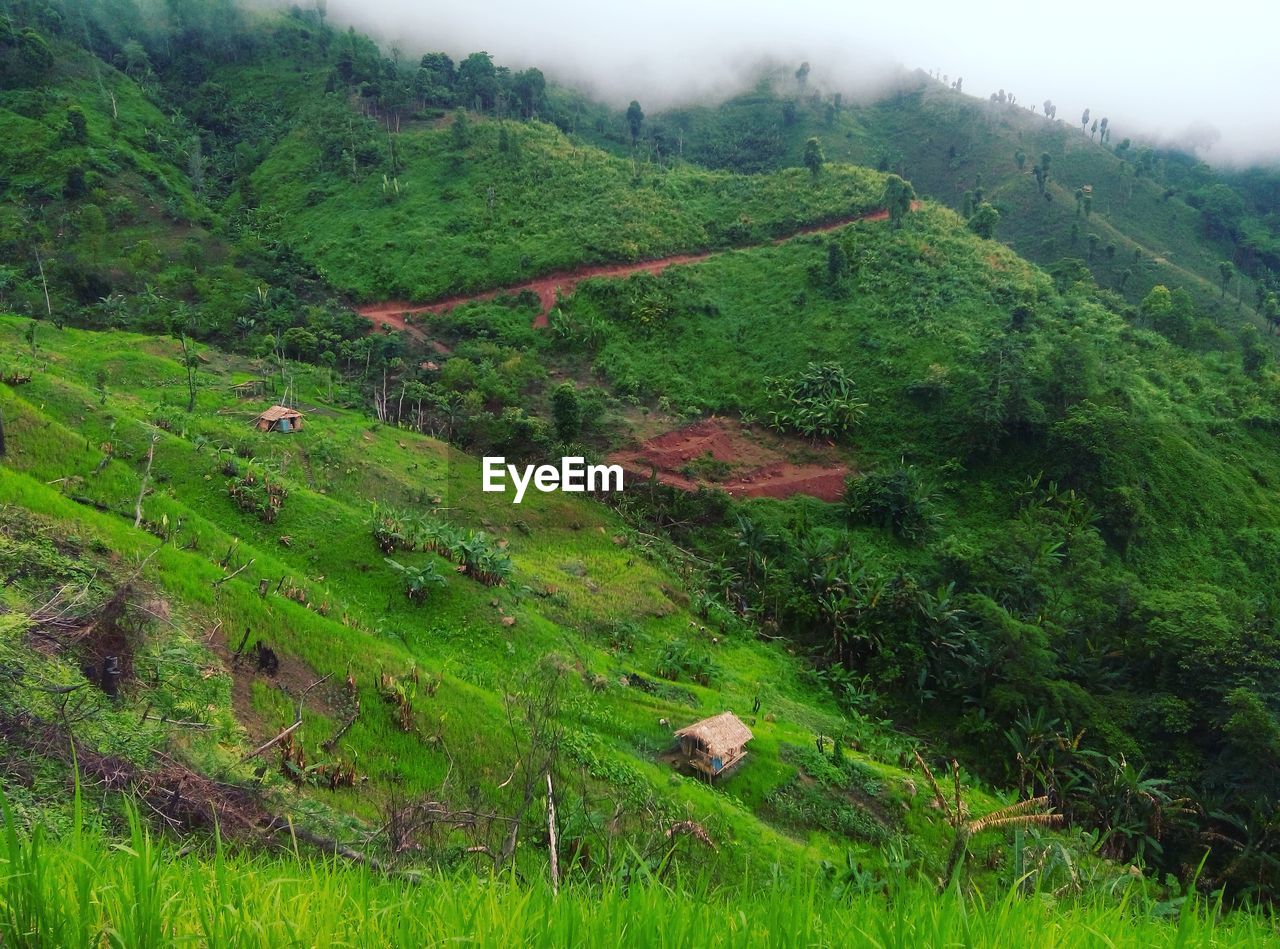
x: 715, y: 745
x: 279, y: 418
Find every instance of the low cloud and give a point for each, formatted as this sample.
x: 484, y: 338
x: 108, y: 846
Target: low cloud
x: 1157, y: 73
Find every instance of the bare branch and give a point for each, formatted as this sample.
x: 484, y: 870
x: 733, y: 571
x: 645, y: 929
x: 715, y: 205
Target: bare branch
x: 146, y: 477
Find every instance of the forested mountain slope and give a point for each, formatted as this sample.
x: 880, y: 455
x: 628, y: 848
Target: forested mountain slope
x: 1034, y: 646
x: 1078, y: 200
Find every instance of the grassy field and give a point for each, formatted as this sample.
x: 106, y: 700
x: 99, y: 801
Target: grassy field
x: 515, y: 200
x: 81, y: 890
x: 587, y: 592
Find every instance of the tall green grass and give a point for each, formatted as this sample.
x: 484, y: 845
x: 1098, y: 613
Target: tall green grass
x: 86, y: 890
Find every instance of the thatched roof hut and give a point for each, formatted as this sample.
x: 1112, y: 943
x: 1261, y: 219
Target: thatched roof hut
x: 716, y: 744
x: 279, y: 418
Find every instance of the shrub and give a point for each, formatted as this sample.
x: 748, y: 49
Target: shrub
x: 897, y: 501
x: 418, y: 581
x: 259, y: 496
x: 679, y: 658
x: 389, y: 530
x: 821, y: 402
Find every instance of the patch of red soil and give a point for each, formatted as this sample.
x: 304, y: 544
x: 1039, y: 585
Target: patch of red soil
x: 394, y: 312
x: 755, y: 463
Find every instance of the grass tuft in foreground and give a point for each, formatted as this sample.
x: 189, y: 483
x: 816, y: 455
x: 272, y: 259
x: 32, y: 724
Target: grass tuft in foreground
x: 84, y: 890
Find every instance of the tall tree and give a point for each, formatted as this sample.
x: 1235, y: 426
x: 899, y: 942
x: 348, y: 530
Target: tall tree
x: 635, y: 117
x: 1084, y: 120
x: 435, y: 80
x: 813, y: 157
x: 530, y: 86
x: 1226, y: 270
x: 898, y: 195
x: 478, y: 81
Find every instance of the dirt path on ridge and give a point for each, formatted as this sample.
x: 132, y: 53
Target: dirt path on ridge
x: 393, y: 312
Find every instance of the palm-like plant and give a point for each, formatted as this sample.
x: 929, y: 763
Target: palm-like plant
x: 753, y: 540
x: 1130, y: 807
x: 1028, y: 813
x: 821, y: 402
x: 418, y: 581
x: 389, y: 531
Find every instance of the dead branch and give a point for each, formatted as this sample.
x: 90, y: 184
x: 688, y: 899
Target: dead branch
x: 551, y: 835
x: 235, y: 659
x: 146, y: 477
x: 330, y: 743
x: 175, y: 721
x: 273, y: 742
x: 691, y: 828
x: 938, y: 796
x: 297, y: 723
x: 233, y: 574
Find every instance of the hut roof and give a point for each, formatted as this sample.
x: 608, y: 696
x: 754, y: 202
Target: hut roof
x: 719, y: 733
x: 277, y: 412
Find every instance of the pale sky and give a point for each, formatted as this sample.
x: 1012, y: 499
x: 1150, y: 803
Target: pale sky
x: 1152, y: 68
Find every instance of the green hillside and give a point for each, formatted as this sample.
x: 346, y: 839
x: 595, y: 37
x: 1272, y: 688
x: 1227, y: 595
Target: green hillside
x: 591, y: 619
x: 1150, y: 218
x: 506, y: 202
x: 1018, y: 683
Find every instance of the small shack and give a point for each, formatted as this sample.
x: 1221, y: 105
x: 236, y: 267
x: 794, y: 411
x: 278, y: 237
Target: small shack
x: 715, y: 745
x: 249, y: 389
x: 279, y: 418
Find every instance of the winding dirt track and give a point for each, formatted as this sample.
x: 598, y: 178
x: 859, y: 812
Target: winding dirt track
x: 393, y: 312
x: 759, y: 470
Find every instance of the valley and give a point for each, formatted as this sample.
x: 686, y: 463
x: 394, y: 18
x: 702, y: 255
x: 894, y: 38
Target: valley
x: 938, y: 606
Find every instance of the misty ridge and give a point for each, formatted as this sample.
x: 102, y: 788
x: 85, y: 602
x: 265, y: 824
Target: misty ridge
x: 1169, y: 81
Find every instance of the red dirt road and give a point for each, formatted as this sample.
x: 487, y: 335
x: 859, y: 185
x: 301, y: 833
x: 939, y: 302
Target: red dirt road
x: 392, y: 313
x: 752, y: 463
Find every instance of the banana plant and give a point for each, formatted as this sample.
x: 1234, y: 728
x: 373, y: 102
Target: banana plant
x: 418, y: 581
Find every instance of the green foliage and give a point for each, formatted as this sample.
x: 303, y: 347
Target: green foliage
x: 254, y: 492
x: 897, y: 501
x: 820, y: 402
x: 1067, y: 595
x: 25, y: 57
x: 984, y: 221
x: 897, y: 198
x: 418, y: 580
x: 806, y: 806
x: 566, y: 412
x: 475, y: 552
x: 71, y: 887
x: 682, y: 659
x: 480, y: 205
x: 813, y: 157
x: 635, y: 118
